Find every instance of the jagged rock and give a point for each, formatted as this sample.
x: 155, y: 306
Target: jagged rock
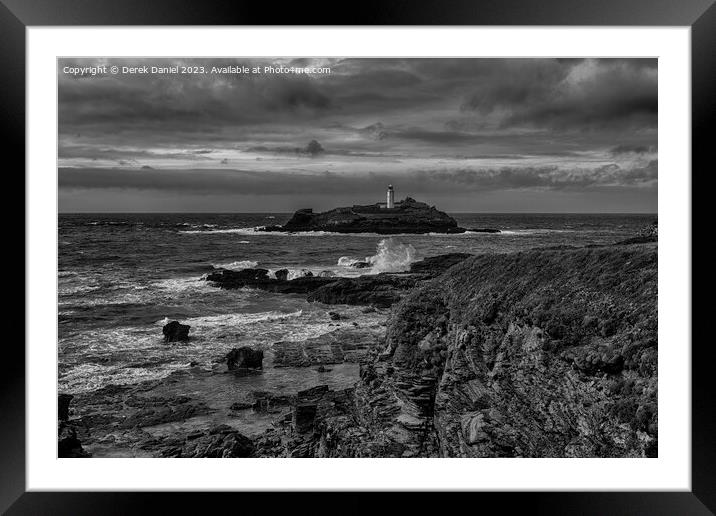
x: 435, y: 265
x: 63, y: 406
x: 335, y: 316
x: 281, y: 275
x: 239, y: 405
x: 244, y: 357
x: 267, y: 402
x: 176, y: 332
x: 378, y: 290
x: 338, y: 346
x: 313, y: 393
x: 259, y: 278
x: 160, y: 414
x: 219, y: 442
x: 68, y: 445
x: 304, y: 416
x: 381, y: 290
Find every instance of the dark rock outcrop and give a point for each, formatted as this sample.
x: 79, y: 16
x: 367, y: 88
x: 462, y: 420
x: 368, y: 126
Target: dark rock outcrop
x: 408, y: 216
x: 68, y: 444
x: 241, y: 405
x: 259, y: 278
x: 336, y: 347
x: 484, y: 230
x: 380, y: 290
x: 176, y: 332
x: 244, y: 357
x: 63, y: 406
x: 219, y: 442
x: 152, y: 415
x: 436, y: 265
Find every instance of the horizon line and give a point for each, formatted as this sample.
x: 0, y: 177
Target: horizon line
x: 291, y: 212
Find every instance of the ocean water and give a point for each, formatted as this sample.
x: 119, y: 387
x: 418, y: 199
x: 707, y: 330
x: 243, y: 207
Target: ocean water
x: 122, y: 276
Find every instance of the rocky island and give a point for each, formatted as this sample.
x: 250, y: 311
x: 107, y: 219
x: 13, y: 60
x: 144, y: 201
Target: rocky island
x: 406, y: 216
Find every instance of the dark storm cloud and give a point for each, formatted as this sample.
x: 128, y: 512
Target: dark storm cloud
x: 184, y: 101
x: 546, y: 93
x: 583, y: 95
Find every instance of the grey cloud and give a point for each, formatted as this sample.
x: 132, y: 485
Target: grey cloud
x: 620, y: 150
x: 547, y: 94
x: 422, y: 181
x: 546, y: 177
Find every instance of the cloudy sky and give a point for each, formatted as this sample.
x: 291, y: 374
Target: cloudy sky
x: 467, y: 135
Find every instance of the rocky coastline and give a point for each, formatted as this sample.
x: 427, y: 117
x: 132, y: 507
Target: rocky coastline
x: 378, y: 290
x: 542, y: 353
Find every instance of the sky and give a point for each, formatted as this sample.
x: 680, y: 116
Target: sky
x: 276, y: 135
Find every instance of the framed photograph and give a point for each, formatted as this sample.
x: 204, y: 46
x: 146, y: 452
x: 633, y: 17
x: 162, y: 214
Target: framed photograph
x: 428, y: 248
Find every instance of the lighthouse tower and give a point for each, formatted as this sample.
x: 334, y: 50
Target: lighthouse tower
x: 390, y: 197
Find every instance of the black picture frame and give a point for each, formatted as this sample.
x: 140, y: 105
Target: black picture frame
x: 17, y: 15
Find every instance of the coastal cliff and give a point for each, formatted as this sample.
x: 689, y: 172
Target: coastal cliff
x: 546, y: 353
x: 408, y: 216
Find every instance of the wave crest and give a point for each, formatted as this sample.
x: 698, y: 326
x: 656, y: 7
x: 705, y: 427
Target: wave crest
x: 391, y: 256
x: 237, y: 265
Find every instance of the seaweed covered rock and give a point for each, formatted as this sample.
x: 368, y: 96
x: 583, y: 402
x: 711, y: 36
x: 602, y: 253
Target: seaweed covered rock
x: 174, y: 331
x: 244, y: 357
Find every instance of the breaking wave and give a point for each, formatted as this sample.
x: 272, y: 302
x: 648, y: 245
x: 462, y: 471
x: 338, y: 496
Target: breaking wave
x: 391, y: 256
x: 237, y: 265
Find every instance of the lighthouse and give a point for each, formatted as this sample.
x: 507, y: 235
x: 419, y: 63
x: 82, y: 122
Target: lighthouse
x: 390, y: 199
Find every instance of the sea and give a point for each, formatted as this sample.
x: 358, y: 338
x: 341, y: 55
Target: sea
x: 121, y: 277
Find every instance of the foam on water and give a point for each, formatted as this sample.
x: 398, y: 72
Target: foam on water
x: 237, y: 265
x: 391, y: 256
x: 257, y: 231
x: 132, y: 354
x: 528, y: 232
